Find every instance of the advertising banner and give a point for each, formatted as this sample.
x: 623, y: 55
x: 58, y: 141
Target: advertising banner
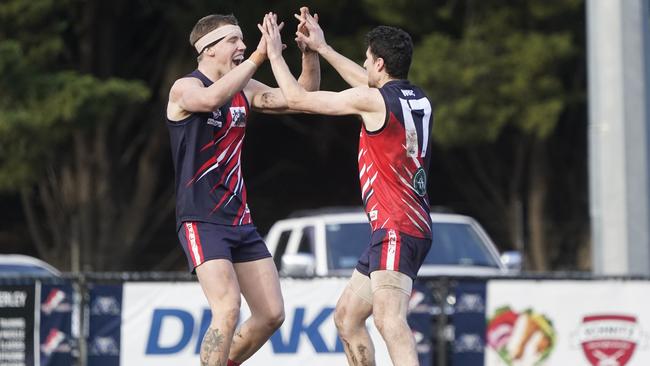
x: 17, y: 340
x: 163, y: 324
x: 469, y: 323
x: 420, y: 320
x: 58, y: 337
x: 577, y: 323
x: 105, y: 320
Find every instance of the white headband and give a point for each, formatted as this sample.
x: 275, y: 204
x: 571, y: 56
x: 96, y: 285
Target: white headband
x: 217, y: 34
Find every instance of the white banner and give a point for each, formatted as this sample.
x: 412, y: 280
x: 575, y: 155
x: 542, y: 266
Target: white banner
x: 161, y: 323
x: 577, y: 323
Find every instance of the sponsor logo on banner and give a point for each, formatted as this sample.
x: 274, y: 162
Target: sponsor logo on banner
x: 470, y: 303
x: 609, y: 339
x: 56, y: 301
x: 164, y: 324
x: 105, y: 305
x: 280, y: 343
x: 55, y: 342
x: 104, y: 346
x: 522, y: 338
x: 13, y: 299
x: 469, y: 343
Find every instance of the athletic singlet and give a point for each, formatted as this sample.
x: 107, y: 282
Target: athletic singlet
x: 394, y: 162
x: 206, y: 149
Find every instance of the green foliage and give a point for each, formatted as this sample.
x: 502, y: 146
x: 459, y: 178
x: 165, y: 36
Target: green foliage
x: 502, y: 68
x: 41, y: 103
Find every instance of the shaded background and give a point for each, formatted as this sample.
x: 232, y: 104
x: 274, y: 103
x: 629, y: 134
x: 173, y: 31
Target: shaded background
x: 86, y: 178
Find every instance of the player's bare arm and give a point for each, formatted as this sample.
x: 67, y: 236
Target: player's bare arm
x: 271, y: 100
x: 188, y: 95
x: 350, y: 71
x: 362, y: 101
x: 265, y: 99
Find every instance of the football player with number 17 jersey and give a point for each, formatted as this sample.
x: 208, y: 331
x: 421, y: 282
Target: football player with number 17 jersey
x: 394, y: 154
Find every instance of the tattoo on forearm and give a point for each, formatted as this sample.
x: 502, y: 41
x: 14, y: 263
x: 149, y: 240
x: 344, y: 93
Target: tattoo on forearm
x: 211, y: 344
x: 268, y: 100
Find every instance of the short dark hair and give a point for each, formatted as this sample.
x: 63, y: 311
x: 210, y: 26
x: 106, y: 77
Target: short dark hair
x: 394, y: 46
x: 209, y: 23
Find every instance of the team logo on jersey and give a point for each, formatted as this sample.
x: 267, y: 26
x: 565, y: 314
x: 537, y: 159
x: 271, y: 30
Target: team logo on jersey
x: 408, y: 92
x: 420, y: 182
x: 372, y: 215
x: 238, y: 115
x: 214, y: 120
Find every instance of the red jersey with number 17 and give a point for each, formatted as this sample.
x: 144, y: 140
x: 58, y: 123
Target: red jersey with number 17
x: 394, y: 162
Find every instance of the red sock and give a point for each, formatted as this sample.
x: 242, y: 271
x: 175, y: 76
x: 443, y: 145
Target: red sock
x: 233, y: 363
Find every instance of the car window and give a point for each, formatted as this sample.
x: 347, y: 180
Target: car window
x: 345, y: 243
x: 306, y: 244
x: 281, y: 248
x: 458, y: 244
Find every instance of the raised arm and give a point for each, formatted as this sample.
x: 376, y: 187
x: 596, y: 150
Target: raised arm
x: 188, y: 95
x: 362, y: 101
x: 350, y: 71
x: 271, y: 100
x: 310, y: 76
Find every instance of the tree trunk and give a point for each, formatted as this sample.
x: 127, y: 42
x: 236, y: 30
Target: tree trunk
x: 538, y: 242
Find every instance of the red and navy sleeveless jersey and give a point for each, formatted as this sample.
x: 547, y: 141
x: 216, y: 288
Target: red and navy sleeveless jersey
x: 394, y: 162
x: 206, y: 149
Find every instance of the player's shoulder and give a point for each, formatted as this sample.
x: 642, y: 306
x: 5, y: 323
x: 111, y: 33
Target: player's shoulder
x: 365, y: 97
x: 187, y: 81
x: 183, y: 84
x: 365, y: 91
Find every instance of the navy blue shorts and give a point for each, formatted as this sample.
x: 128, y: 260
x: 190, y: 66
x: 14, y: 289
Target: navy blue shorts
x: 202, y: 241
x: 394, y: 251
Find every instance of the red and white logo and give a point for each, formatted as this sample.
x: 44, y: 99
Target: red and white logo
x: 608, y: 339
x: 53, y: 341
x: 55, y: 301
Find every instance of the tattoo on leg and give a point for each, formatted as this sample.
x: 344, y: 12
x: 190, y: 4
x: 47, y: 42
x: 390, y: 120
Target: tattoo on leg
x: 350, y: 352
x: 235, y: 338
x: 212, y: 342
x: 364, y: 356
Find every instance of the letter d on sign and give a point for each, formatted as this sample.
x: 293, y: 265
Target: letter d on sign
x: 159, y: 315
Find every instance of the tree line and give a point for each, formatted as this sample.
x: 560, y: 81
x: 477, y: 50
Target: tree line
x: 84, y: 147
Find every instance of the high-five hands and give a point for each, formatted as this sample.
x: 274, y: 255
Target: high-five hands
x: 261, y: 46
x: 302, y: 28
x: 271, y: 35
x: 309, y: 32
